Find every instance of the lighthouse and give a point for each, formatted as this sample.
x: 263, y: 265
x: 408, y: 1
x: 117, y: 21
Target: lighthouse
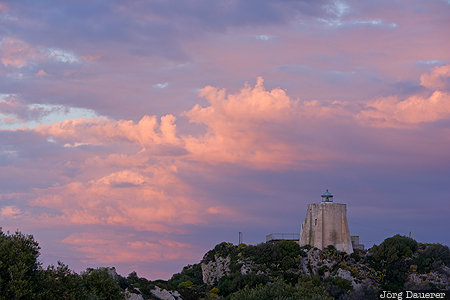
x: 326, y: 224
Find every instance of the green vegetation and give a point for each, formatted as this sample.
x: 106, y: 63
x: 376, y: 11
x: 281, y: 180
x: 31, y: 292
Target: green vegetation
x: 432, y: 257
x: 189, y: 282
x: 19, y: 267
x: 393, y: 259
x: 305, y: 289
x: 22, y: 277
x: 274, y: 270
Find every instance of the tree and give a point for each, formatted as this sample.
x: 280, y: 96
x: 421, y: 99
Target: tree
x: 392, y: 258
x: 61, y: 283
x: 18, y: 266
x: 304, y: 289
x: 102, y: 284
x: 394, y: 248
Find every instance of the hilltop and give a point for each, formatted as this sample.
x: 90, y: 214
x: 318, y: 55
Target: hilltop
x: 278, y: 269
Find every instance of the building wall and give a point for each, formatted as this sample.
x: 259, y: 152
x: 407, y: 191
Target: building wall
x: 355, y: 243
x: 326, y: 224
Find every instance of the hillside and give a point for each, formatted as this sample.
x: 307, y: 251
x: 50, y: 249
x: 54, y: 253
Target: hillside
x: 271, y: 270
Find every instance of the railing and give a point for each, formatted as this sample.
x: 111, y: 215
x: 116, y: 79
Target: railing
x: 282, y: 236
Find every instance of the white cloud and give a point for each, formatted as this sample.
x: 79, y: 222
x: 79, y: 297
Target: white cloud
x: 263, y: 37
x: 161, y: 85
x: 338, y: 8
x: 16, y: 114
x: 337, y: 22
x: 62, y: 55
x: 430, y: 62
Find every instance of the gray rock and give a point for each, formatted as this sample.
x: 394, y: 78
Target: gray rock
x: 247, y: 266
x: 214, y: 270
x: 164, y: 294
x: 417, y: 281
x: 132, y: 296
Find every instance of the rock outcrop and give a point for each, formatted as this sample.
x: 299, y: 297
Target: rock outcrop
x: 213, y: 270
x: 328, y: 264
x: 230, y: 270
x: 163, y: 294
x: 133, y: 296
x: 429, y: 280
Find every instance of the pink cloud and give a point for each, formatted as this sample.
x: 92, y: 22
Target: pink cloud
x: 115, y: 161
x: 112, y: 248
x: 40, y: 73
x: 150, y: 199
x: 416, y: 109
x: 250, y: 105
x: 254, y: 127
x: 10, y: 211
x: 248, y: 128
x: 127, y: 190
x: 146, y: 132
x: 392, y: 112
x: 9, y: 196
x: 222, y: 211
x: 125, y: 177
x: 16, y: 53
x: 263, y: 129
x: 438, y: 78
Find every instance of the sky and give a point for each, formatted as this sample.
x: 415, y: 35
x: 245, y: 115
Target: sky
x: 140, y: 134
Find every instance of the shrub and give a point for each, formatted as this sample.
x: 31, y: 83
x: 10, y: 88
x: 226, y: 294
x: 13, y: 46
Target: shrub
x: 189, y: 273
x: 273, y: 253
x: 338, y: 287
x: 237, y: 281
x: 304, y: 289
x: 433, y: 257
x: 394, y: 248
x: 221, y: 250
x: 390, y: 258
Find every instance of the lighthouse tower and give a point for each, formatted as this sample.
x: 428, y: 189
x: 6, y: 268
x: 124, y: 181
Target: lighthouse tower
x: 326, y: 224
